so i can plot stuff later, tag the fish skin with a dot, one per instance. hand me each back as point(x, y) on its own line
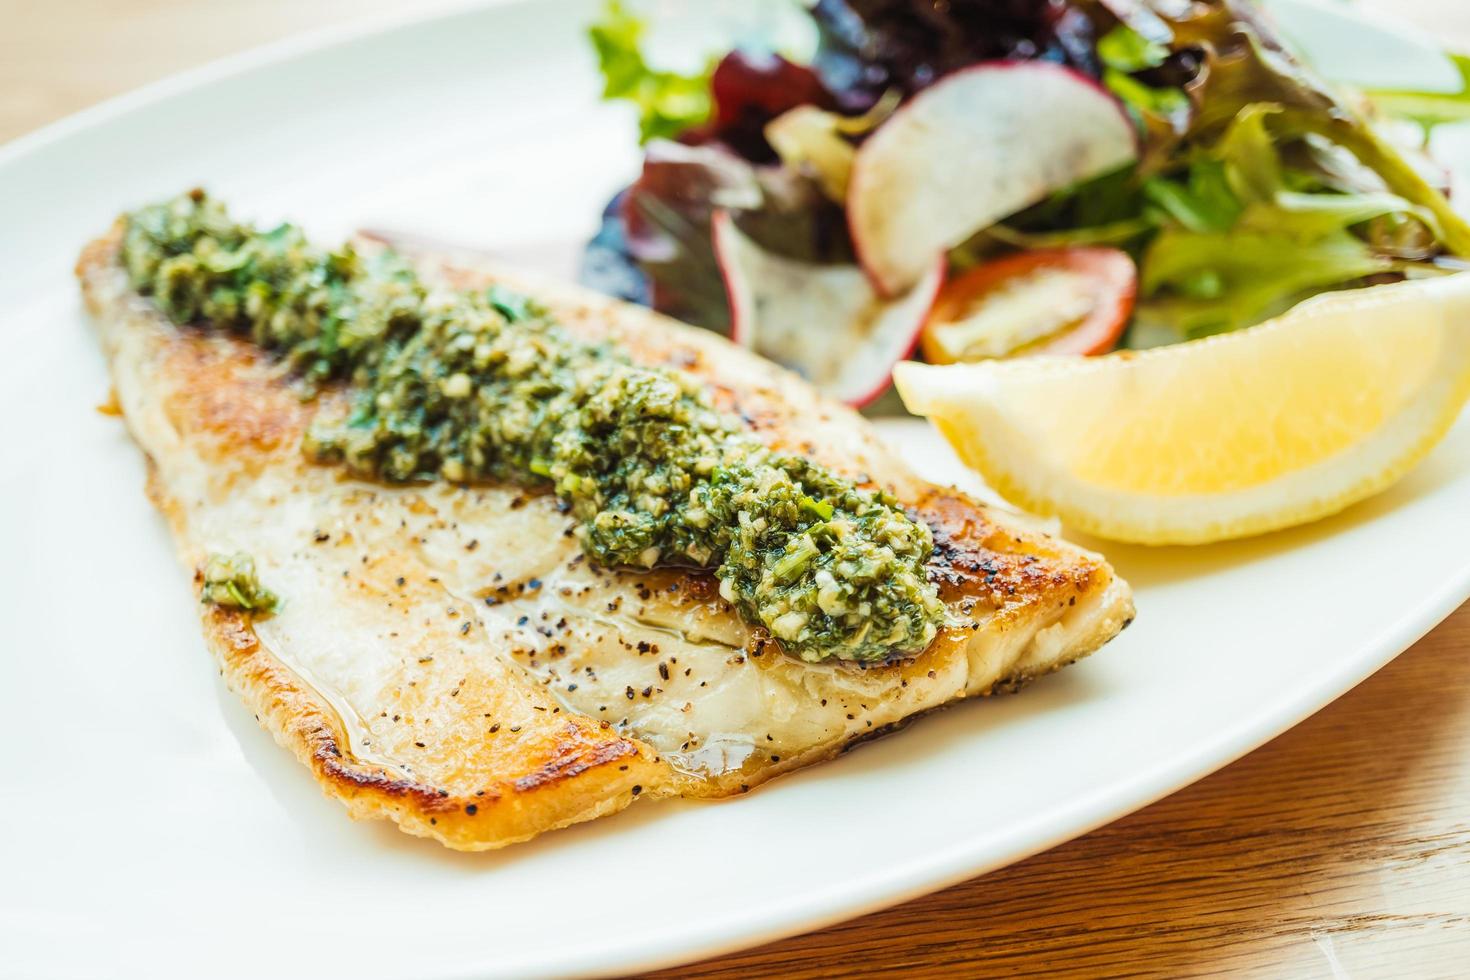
point(445, 657)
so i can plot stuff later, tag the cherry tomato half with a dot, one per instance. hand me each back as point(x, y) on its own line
point(1044, 301)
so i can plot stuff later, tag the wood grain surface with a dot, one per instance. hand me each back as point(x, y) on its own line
point(1339, 850)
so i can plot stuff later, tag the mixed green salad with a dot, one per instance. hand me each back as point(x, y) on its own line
point(1002, 177)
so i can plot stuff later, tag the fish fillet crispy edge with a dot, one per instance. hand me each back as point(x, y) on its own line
point(1036, 603)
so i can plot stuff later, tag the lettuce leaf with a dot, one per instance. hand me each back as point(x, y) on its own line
point(1247, 236)
point(1389, 165)
point(656, 242)
point(1428, 109)
point(1202, 202)
point(668, 103)
point(706, 149)
point(1205, 284)
point(1261, 189)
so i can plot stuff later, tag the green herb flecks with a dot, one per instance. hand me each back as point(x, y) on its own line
point(486, 386)
point(230, 581)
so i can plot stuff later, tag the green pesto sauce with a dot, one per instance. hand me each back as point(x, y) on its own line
point(477, 386)
point(230, 581)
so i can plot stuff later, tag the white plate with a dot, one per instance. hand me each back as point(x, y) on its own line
point(150, 828)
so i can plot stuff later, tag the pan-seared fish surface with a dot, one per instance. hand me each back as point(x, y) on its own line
point(446, 657)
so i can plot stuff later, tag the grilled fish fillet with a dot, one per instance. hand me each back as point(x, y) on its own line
point(444, 656)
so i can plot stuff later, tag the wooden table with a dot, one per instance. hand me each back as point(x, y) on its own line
point(1341, 849)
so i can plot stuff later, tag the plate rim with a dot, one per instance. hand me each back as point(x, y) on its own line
point(930, 875)
point(292, 46)
point(936, 868)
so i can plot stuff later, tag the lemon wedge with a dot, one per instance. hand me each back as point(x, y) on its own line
point(1224, 437)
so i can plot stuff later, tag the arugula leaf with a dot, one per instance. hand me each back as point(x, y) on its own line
point(668, 103)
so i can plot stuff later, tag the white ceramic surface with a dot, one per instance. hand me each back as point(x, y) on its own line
point(152, 829)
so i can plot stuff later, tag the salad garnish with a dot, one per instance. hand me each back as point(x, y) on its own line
point(1254, 185)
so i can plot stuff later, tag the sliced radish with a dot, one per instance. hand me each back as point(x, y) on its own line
point(825, 322)
point(973, 148)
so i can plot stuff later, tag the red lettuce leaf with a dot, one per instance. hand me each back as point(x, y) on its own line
point(867, 46)
point(656, 243)
point(749, 91)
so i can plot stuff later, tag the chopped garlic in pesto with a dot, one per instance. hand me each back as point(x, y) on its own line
point(230, 581)
point(485, 385)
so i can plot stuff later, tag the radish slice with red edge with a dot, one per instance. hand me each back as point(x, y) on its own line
point(973, 148)
point(825, 322)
